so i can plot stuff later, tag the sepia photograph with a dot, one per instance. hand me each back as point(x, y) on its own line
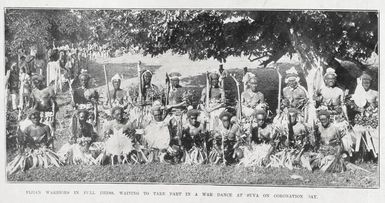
point(223, 97)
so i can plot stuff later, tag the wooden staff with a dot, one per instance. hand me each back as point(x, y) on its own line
point(207, 90)
point(279, 87)
point(239, 105)
point(107, 88)
point(140, 81)
point(168, 88)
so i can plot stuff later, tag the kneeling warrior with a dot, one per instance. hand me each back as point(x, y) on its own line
point(194, 139)
point(157, 137)
point(35, 151)
point(225, 139)
point(329, 145)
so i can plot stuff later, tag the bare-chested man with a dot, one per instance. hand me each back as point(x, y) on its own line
point(119, 97)
point(43, 100)
point(194, 132)
point(38, 134)
point(216, 100)
point(86, 98)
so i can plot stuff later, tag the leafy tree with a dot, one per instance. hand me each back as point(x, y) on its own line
point(25, 28)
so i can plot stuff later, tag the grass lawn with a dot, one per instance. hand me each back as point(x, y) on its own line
point(194, 78)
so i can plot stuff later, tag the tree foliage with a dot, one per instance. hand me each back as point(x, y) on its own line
point(263, 36)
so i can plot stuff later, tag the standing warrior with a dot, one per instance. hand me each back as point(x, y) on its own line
point(216, 100)
point(365, 98)
point(252, 99)
point(150, 92)
point(366, 118)
point(43, 100)
point(86, 98)
point(119, 97)
point(294, 95)
point(332, 98)
point(246, 78)
point(178, 101)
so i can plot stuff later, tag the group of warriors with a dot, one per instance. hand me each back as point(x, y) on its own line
point(153, 124)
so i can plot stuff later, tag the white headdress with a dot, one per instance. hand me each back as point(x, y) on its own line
point(117, 77)
point(330, 71)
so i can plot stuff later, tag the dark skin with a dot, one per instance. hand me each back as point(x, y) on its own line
point(292, 82)
point(330, 80)
point(366, 84)
point(118, 115)
point(116, 84)
point(175, 84)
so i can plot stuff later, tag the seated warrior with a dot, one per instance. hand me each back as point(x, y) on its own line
point(216, 100)
point(43, 99)
point(225, 137)
point(38, 134)
point(294, 95)
point(119, 97)
point(86, 98)
point(332, 98)
point(119, 123)
point(82, 132)
point(252, 99)
point(194, 132)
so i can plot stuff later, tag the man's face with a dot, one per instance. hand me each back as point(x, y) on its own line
point(147, 79)
point(116, 84)
point(118, 115)
point(193, 120)
point(292, 82)
point(83, 117)
point(37, 83)
point(253, 87)
point(330, 80)
point(83, 81)
point(157, 115)
point(214, 82)
point(35, 119)
point(292, 118)
point(260, 119)
point(366, 84)
point(175, 82)
point(324, 120)
point(226, 122)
